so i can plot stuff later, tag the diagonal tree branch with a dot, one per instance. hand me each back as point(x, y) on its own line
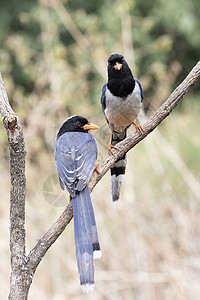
point(23, 267)
point(165, 109)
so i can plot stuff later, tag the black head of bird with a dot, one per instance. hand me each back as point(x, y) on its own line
point(120, 79)
point(118, 67)
point(76, 124)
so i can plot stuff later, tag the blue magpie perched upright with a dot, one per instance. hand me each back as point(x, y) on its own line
point(121, 101)
point(75, 154)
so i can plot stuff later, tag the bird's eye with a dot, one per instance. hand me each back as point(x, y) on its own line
point(78, 124)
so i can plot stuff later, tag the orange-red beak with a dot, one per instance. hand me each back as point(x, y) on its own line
point(90, 126)
point(117, 66)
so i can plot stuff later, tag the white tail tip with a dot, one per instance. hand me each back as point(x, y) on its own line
point(86, 288)
point(97, 254)
point(115, 203)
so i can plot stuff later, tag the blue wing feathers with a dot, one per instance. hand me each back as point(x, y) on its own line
point(103, 97)
point(75, 157)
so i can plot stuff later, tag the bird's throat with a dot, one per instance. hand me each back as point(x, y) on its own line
point(121, 87)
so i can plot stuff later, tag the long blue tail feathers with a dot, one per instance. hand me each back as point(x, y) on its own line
point(86, 238)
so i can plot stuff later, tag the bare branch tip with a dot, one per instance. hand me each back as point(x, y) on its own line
point(12, 122)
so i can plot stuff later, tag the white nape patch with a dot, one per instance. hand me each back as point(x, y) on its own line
point(70, 118)
point(86, 288)
point(97, 254)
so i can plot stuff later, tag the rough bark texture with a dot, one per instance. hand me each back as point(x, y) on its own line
point(23, 267)
point(20, 279)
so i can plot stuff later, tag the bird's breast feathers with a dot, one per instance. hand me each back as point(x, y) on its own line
point(123, 111)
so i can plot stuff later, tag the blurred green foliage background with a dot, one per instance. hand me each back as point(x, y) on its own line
point(53, 58)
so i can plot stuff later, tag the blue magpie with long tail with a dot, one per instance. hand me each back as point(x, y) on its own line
point(75, 154)
point(121, 101)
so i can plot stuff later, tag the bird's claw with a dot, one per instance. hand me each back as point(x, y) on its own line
point(96, 168)
point(138, 128)
point(110, 146)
